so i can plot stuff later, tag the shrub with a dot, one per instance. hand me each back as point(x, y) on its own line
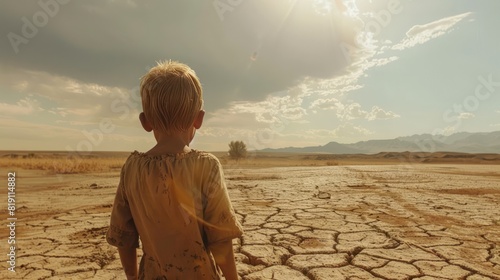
point(237, 150)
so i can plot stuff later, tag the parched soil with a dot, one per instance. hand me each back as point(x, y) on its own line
point(334, 222)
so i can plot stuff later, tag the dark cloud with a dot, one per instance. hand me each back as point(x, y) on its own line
point(258, 48)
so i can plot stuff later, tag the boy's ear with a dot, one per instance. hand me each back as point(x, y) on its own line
point(144, 122)
point(199, 119)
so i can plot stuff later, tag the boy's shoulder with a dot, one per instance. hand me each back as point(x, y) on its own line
point(207, 156)
point(192, 157)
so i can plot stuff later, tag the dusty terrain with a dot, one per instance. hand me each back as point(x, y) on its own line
point(400, 221)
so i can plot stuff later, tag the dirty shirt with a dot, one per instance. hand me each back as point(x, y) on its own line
point(179, 207)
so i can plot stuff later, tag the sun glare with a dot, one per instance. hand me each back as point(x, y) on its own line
point(325, 7)
point(351, 9)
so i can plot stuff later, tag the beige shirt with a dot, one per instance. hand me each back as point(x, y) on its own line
point(179, 207)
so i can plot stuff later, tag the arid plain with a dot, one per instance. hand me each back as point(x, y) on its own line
point(385, 216)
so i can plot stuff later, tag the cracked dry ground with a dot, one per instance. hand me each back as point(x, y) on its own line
point(337, 222)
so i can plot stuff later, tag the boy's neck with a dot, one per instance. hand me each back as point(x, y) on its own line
point(171, 143)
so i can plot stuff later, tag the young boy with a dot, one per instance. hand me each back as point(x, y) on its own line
point(173, 197)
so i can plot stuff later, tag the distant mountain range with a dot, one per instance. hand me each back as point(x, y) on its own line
point(463, 142)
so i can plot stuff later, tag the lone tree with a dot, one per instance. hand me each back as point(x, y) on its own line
point(237, 150)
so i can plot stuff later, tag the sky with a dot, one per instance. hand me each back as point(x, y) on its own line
point(275, 73)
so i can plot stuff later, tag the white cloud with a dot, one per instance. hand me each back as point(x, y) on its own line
point(344, 130)
point(273, 109)
point(223, 131)
point(327, 104)
point(466, 115)
point(21, 86)
point(75, 123)
point(80, 112)
point(295, 113)
point(352, 110)
point(69, 98)
point(378, 113)
point(420, 34)
point(227, 125)
point(65, 138)
point(382, 61)
point(349, 130)
point(57, 88)
point(25, 106)
point(449, 130)
point(342, 84)
point(314, 133)
point(28, 129)
point(324, 94)
point(276, 113)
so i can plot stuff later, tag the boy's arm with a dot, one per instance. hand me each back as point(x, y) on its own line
point(224, 257)
point(128, 257)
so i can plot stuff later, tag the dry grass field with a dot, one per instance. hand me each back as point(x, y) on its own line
point(62, 162)
point(75, 163)
point(383, 216)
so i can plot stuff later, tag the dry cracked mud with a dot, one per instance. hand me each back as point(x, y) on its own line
point(335, 222)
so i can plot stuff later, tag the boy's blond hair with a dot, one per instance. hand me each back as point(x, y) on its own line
point(171, 96)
